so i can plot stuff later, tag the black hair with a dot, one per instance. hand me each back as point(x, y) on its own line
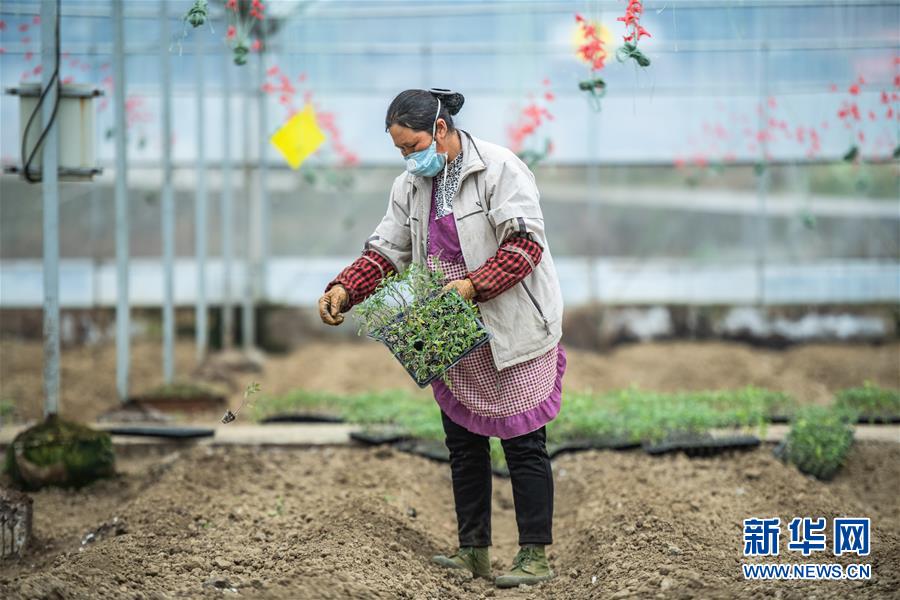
point(416, 108)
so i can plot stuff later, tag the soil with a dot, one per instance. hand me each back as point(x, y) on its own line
point(364, 523)
point(812, 373)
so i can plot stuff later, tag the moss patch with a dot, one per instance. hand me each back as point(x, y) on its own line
point(59, 452)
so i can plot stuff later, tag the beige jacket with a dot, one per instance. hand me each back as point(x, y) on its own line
point(497, 196)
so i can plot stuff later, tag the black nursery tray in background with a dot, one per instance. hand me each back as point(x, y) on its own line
point(704, 446)
point(301, 418)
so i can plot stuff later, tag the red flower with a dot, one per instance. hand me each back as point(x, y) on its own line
point(36, 19)
point(854, 89)
point(631, 19)
point(232, 4)
point(2, 25)
point(231, 33)
point(592, 49)
point(23, 27)
point(256, 46)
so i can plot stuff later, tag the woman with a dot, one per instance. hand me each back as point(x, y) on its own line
point(471, 209)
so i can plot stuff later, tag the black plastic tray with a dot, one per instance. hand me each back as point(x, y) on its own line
point(422, 383)
point(379, 436)
point(704, 446)
point(302, 418)
point(163, 432)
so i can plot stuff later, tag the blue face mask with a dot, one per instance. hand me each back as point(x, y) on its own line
point(427, 162)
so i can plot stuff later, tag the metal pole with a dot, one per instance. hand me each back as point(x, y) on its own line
point(227, 216)
point(200, 211)
point(121, 191)
point(762, 177)
point(248, 325)
point(50, 193)
point(168, 203)
point(264, 209)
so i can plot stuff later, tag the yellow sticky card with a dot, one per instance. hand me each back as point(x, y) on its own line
point(299, 137)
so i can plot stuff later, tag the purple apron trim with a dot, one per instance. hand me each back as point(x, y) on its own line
point(504, 427)
point(443, 239)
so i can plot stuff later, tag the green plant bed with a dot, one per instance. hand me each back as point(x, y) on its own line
point(427, 330)
point(819, 440)
point(872, 403)
point(181, 396)
point(59, 452)
point(638, 416)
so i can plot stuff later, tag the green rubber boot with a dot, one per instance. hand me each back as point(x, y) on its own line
point(529, 567)
point(472, 558)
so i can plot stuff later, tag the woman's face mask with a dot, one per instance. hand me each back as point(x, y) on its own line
point(427, 162)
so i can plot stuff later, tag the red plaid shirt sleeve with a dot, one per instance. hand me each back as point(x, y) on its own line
point(506, 268)
point(362, 277)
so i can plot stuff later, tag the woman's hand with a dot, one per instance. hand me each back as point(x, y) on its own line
point(332, 303)
point(464, 286)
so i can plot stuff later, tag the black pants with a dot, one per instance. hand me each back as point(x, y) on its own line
point(532, 484)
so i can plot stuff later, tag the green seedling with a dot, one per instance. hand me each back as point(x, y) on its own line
point(819, 440)
point(251, 389)
point(870, 401)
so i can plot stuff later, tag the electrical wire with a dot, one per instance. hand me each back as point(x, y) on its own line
point(54, 79)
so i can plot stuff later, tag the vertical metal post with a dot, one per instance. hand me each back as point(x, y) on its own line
point(123, 326)
point(227, 216)
point(50, 193)
point(264, 209)
point(762, 177)
point(248, 322)
point(200, 208)
point(168, 202)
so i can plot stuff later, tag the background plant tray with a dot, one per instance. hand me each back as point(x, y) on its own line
point(860, 420)
point(600, 443)
point(164, 432)
point(188, 404)
point(302, 418)
point(703, 446)
point(377, 436)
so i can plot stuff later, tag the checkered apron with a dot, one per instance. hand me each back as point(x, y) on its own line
point(476, 383)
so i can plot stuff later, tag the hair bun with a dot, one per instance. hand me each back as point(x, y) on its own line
point(452, 100)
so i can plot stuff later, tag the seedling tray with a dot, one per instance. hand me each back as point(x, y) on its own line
point(376, 436)
point(301, 418)
point(163, 432)
point(381, 335)
point(702, 446)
